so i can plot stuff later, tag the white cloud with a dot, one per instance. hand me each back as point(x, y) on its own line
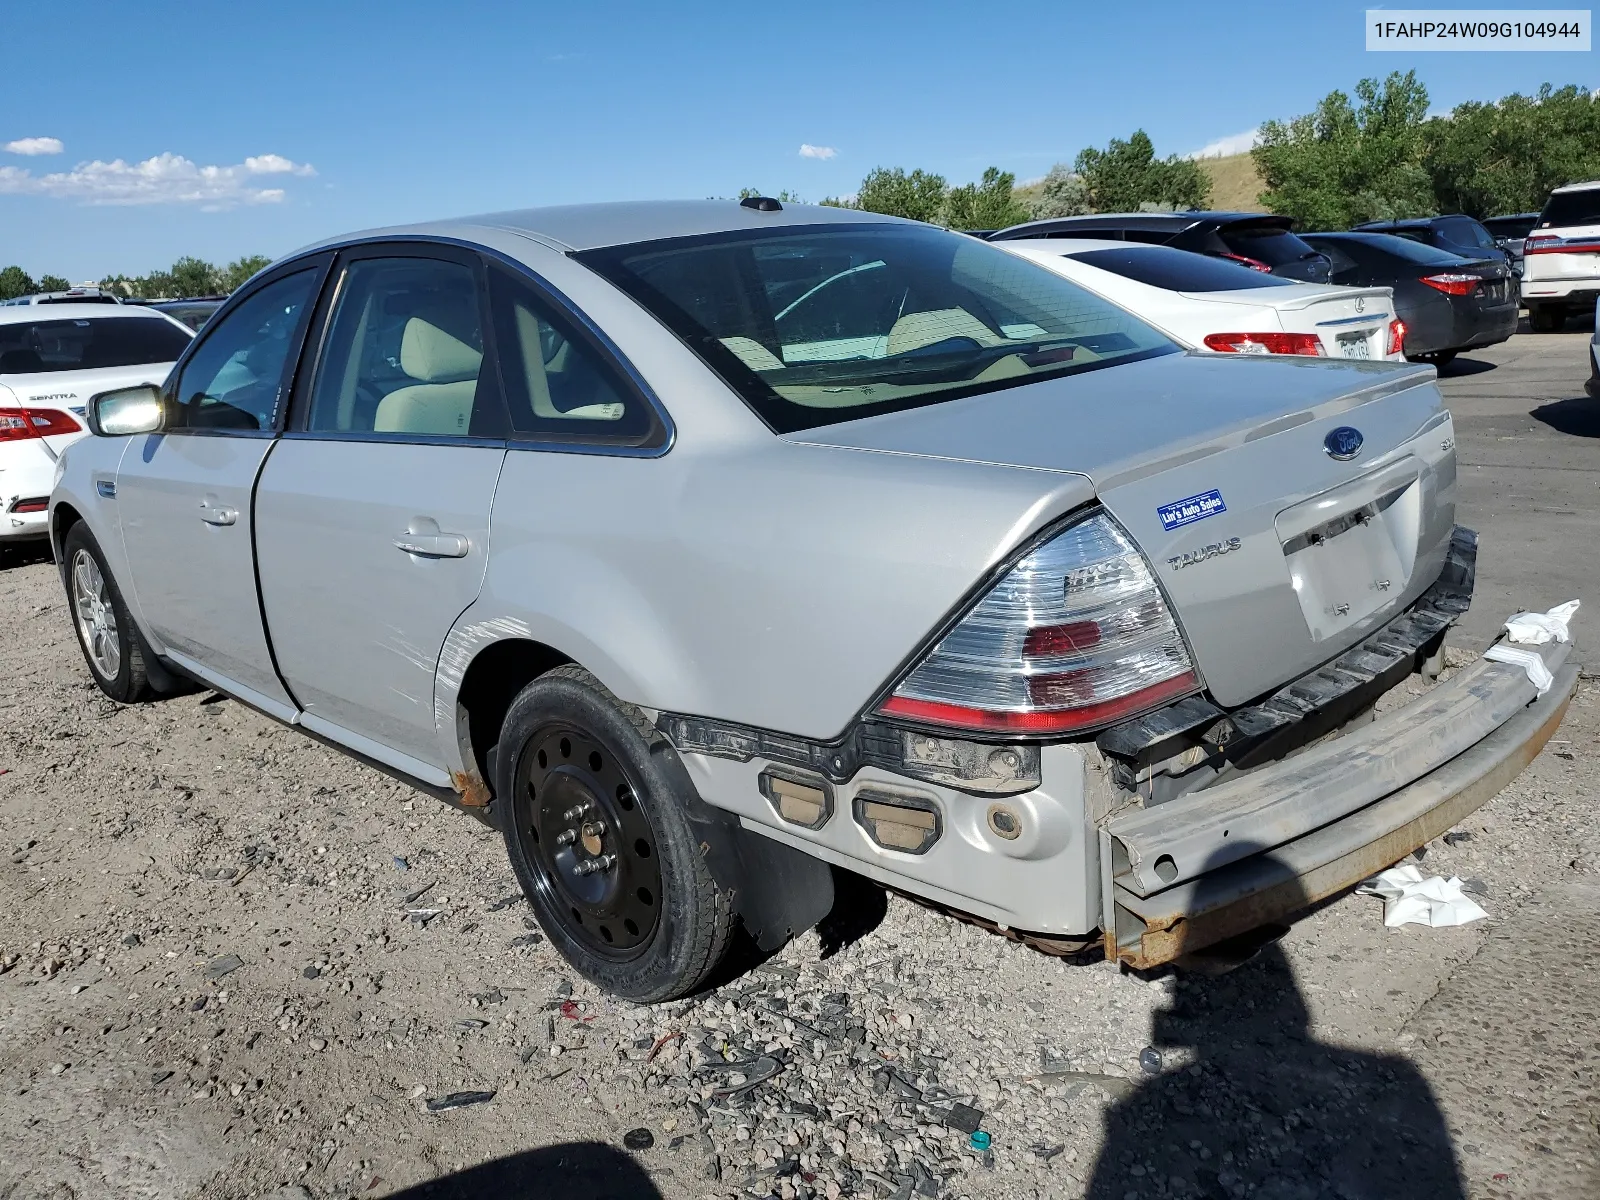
point(34, 146)
point(807, 150)
point(1234, 143)
point(165, 179)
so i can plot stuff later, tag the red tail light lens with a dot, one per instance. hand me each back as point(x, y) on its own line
point(1255, 264)
point(1453, 285)
point(17, 424)
point(1397, 337)
point(1265, 343)
point(1074, 636)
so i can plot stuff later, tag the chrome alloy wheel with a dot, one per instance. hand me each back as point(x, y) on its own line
point(589, 841)
point(97, 619)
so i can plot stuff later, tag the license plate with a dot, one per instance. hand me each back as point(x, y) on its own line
point(1355, 345)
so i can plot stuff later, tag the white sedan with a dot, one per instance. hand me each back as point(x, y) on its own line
point(53, 357)
point(1212, 304)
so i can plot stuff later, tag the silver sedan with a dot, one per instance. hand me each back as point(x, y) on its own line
point(703, 548)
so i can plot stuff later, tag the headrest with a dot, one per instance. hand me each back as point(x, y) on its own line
point(430, 355)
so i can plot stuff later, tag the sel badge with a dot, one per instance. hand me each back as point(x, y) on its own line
point(1195, 508)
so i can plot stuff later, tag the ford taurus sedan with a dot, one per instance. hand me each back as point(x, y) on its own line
point(704, 547)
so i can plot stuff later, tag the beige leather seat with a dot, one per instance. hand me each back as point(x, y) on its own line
point(440, 402)
point(539, 372)
point(916, 330)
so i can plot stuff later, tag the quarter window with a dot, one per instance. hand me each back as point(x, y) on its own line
point(235, 380)
point(557, 386)
point(404, 354)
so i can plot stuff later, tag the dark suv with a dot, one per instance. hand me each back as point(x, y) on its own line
point(1453, 233)
point(1267, 243)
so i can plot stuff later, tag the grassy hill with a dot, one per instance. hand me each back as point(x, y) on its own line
point(1234, 183)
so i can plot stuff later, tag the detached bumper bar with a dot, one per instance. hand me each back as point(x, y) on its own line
point(1180, 876)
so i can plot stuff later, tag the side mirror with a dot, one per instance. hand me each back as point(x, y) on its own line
point(126, 411)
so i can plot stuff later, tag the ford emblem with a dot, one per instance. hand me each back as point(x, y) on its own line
point(1342, 443)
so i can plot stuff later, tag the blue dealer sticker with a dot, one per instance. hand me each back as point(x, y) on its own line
point(1195, 508)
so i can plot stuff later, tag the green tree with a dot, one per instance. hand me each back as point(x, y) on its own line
point(987, 204)
point(1346, 163)
point(195, 277)
point(1127, 176)
point(919, 196)
point(53, 283)
point(1504, 157)
point(1064, 194)
point(236, 272)
point(14, 282)
point(783, 197)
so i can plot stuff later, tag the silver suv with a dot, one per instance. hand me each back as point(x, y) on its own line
point(704, 547)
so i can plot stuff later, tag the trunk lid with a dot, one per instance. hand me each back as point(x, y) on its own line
point(1275, 554)
point(1351, 322)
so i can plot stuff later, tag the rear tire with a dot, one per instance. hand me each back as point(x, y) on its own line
point(1546, 318)
point(113, 647)
point(596, 829)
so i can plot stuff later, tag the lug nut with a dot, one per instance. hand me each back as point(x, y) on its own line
point(591, 866)
point(576, 811)
point(566, 837)
point(594, 829)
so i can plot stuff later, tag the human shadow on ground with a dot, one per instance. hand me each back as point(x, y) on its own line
point(570, 1171)
point(1578, 417)
point(1250, 1102)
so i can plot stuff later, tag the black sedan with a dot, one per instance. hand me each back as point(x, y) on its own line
point(1448, 303)
point(1455, 233)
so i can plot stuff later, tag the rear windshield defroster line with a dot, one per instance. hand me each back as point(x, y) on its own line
point(813, 325)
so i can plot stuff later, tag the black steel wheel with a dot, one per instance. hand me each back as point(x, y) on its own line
point(589, 840)
point(594, 806)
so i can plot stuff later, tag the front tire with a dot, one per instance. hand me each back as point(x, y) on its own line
point(595, 824)
point(112, 645)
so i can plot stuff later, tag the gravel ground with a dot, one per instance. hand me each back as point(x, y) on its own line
point(236, 964)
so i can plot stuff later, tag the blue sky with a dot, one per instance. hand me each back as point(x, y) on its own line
point(289, 121)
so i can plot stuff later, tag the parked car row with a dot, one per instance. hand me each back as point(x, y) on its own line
point(702, 547)
point(1457, 283)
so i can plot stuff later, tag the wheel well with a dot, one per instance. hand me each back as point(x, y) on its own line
point(492, 682)
point(61, 521)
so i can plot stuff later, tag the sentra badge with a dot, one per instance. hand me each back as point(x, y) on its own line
point(1199, 555)
point(1195, 508)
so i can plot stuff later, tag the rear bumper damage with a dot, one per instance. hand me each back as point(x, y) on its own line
point(1179, 877)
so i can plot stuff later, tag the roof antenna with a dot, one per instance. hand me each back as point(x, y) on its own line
point(761, 204)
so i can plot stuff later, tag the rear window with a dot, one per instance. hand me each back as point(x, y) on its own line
point(1398, 247)
point(1271, 244)
point(813, 325)
point(1179, 270)
point(1511, 227)
point(85, 343)
point(1571, 208)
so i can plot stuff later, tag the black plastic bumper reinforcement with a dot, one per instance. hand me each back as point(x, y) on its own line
point(1315, 702)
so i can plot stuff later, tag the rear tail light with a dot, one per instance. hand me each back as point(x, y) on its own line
point(1397, 337)
point(1076, 635)
point(1453, 285)
point(1255, 264)
point(17, 424)
point(35, 504)
point(1265, 343)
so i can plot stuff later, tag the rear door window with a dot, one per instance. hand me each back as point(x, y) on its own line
point(86, 343)
point(1179, 270)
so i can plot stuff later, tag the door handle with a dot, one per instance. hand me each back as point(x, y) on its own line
point(215, 515)
point(434, 545)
